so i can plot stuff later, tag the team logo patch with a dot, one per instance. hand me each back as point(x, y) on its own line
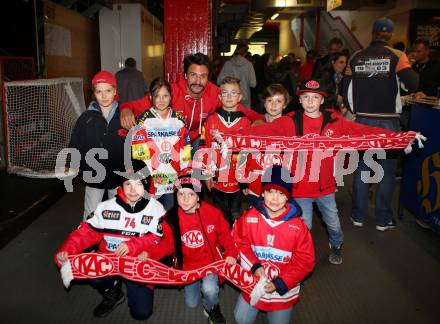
point(193, 239)
point(329, 132)
point(165, 146)
point(251, 220)
point(210, 228)
point(146, 220)
point(111, 214)
point(312, 84)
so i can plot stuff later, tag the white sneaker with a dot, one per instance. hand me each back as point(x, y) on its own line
point(391, 224)
point(356, 223)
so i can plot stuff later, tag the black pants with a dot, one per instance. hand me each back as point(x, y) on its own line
point(140, 297)
point(229, 203)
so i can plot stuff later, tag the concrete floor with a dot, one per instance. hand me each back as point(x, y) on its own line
point(389, 277)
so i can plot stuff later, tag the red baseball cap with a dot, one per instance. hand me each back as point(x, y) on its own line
point(104, 77)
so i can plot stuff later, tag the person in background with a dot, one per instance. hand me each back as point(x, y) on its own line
point(400, 46)
point(427, 68)
point(334, 45)
point(284, 76)
point(306, 70)
point(239, 67)
point(131, 82)
point(331, 80)
point(372, 93)
point(264, 74)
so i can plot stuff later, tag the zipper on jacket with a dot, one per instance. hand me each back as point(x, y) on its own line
point(204, 234)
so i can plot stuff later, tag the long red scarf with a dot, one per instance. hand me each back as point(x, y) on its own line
point(97, 265)
point(310, 142)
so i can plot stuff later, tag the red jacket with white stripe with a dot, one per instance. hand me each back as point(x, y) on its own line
point(283, 246)
point(205, 237)
point(115, 221)
point(195, 111)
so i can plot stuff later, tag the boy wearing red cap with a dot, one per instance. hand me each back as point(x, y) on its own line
point(275, 244)
point(96, 132)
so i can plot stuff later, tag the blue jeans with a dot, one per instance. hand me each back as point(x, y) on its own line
point(246, 314)
point(140, 297)
point(208, 287)
point(385, 188)
point(329, 211)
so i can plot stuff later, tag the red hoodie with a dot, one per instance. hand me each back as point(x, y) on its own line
point(195, 111)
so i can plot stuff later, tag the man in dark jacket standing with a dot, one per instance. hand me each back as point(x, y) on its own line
point(427, 68)
point(131, 82)
point(372, 88)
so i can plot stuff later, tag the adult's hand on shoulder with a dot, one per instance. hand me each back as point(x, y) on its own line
point(127, 119)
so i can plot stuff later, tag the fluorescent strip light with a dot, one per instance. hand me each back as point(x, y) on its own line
point(275, 16)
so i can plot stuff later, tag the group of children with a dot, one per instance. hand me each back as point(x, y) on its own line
point(271, 238)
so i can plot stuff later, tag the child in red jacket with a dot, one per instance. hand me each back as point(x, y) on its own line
point(201, 236)
point(275, 244)
point(276, 99)
point(225, 188)
point(122, 225)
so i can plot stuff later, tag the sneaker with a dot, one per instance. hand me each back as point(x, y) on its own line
point(356, 223)
point(215, 315)
point(335, 256)
point(111, 299)
point(391, 224)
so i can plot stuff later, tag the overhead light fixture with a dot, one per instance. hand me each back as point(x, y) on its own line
point(275, 16)
point(259, 28)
